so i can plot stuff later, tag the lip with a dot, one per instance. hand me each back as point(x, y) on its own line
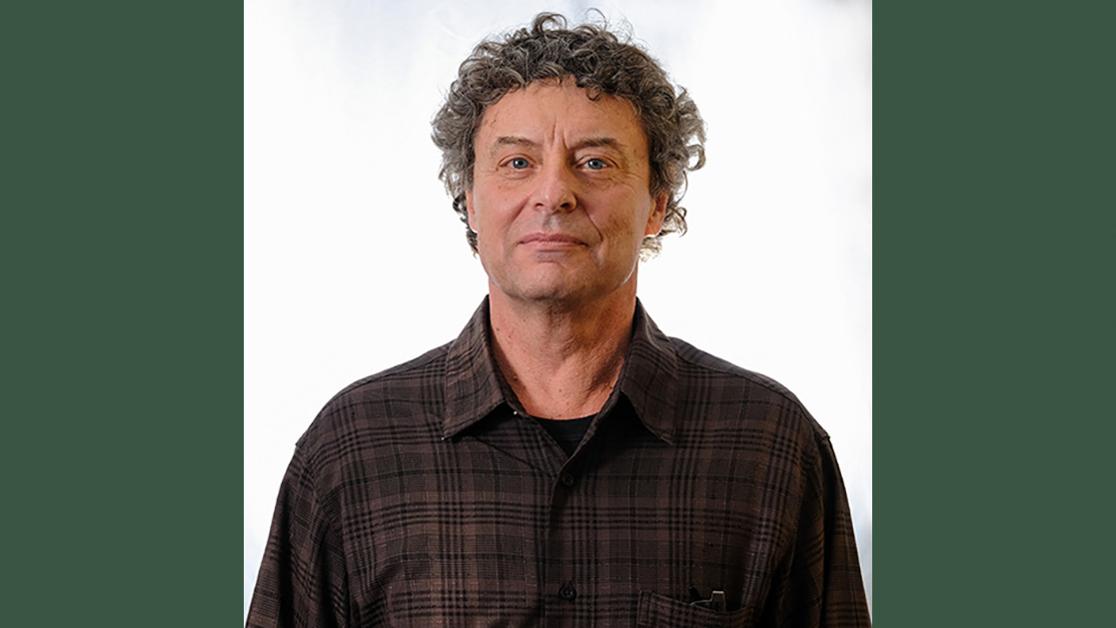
point(551, 239)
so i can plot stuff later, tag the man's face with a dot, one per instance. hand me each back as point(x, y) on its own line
point(561, 195)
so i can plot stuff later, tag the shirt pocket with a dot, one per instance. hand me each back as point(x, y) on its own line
point(660, 610)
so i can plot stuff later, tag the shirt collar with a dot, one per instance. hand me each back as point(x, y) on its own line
point(649, 378)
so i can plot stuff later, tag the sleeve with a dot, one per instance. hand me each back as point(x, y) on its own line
point(302, 579)
point(822, 586)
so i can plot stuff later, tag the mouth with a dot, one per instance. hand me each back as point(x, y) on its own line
point(551, 240)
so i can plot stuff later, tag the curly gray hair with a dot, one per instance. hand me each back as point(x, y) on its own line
point(599, 61)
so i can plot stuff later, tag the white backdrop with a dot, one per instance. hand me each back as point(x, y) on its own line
point(354, 261)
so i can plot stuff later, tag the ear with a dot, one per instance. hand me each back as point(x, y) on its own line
point(470, 212)
point(658, 213)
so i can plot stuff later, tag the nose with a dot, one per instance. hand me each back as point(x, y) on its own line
point(556, 190)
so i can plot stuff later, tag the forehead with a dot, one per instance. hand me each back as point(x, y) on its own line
point(547, 111)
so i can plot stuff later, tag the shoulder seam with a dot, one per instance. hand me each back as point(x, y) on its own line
point(739, 372)
point(757, 379)
point(414, 363)
point(328, 409)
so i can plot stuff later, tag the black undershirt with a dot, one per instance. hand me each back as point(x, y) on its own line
point(567, 432)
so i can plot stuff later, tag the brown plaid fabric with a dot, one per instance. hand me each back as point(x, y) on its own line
point(423, 496)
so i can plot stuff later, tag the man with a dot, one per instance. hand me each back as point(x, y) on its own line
point(563, 462)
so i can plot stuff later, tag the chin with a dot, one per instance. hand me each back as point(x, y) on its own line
point(537, 290)
point(553, 294)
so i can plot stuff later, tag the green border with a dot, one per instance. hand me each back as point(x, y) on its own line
point(993, 311)
point(122, 244)
point(121, 248)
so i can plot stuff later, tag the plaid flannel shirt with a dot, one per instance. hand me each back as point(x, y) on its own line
point(424, 496)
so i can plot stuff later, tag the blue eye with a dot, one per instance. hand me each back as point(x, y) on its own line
point(519, 163)
point(596, 164)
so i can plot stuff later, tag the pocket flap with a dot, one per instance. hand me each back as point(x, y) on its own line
point(660, 610)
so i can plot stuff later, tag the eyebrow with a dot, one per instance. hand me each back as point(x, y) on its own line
point(589, 142)
point(600, 142)
point(505, 140)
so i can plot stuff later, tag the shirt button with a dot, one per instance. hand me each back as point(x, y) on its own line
point(567, 592)
point(567, 479)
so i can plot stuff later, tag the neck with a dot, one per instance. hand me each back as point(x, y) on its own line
point(561, 360)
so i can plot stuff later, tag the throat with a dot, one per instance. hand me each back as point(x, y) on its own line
point(561, 365)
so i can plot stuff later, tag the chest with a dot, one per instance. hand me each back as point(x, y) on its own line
point(502, 528)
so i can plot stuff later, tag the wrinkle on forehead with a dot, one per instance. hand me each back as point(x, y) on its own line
point(573, 125)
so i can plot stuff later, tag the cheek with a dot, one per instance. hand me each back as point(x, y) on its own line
point(620, 236)
point(492, 224)
point(492, 204)
point(626, 227)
